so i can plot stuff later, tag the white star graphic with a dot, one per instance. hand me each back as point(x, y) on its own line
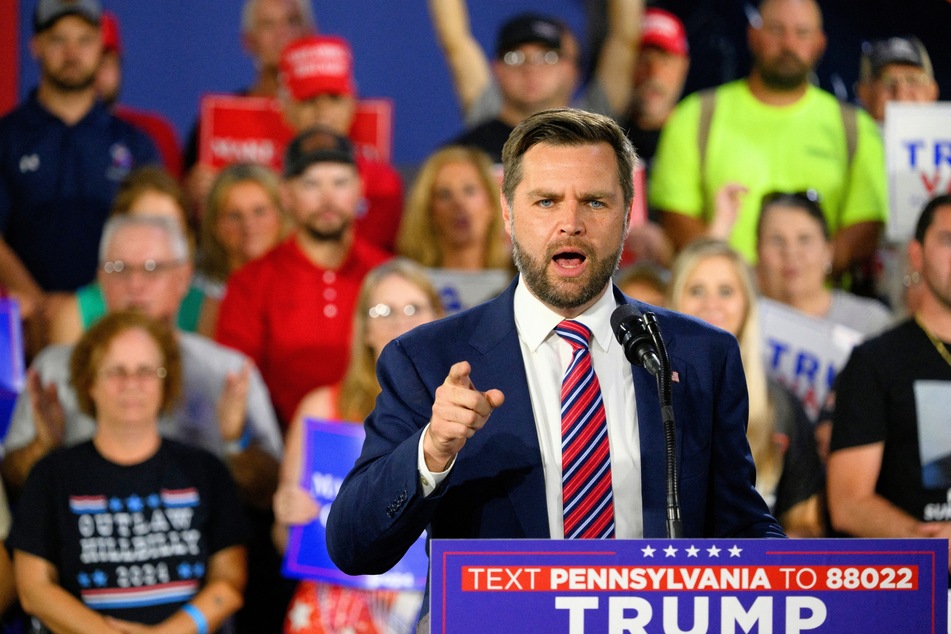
point(670, 551)
point(692, 551)
point(713, 551)
point(299, 615)
point(735, 552)
point(648, 551)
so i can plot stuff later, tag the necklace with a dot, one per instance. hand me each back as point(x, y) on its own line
point(937, 343)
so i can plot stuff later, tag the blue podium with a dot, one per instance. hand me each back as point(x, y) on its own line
point(689, 585)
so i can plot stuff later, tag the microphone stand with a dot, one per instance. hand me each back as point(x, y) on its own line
point(674, 526)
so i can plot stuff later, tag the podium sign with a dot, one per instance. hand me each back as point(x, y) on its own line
point(684, 585)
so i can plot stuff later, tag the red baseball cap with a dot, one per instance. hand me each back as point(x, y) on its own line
point(111, 40)
point(317, 65)
point(664, 30)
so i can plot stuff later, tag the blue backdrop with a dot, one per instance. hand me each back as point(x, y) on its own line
point(175, 50)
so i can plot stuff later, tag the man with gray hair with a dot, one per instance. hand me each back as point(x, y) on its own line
point(267, 27)
point(144, 264)
point(225, 408)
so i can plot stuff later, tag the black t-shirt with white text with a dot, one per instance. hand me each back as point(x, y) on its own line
point(129, 541)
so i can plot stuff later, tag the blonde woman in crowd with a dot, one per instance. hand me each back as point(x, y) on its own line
point(452, 224)
point(453, 218)
point(243, 219)
point(711, 281)
point(394, 298)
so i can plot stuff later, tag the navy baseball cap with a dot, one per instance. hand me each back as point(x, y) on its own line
point(529, 28)
point(49, 11)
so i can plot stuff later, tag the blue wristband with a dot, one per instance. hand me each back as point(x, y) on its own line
point(195, 614)
point(242, 443)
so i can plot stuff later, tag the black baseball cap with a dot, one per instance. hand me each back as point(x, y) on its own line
point(529, 28)
point(878, 54)
point(49, 11)
point(316, 145)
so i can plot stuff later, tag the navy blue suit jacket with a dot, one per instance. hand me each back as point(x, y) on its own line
point(496, 487)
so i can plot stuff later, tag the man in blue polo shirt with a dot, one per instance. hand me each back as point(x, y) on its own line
point(62, 156)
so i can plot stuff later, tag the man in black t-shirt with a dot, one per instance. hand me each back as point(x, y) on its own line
point(888, 468)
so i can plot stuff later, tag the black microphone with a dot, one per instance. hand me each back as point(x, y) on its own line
point(630, 328)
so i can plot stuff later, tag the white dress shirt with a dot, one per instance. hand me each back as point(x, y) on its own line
point(547, 356)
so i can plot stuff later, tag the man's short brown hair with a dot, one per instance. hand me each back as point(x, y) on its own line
point(567, 127)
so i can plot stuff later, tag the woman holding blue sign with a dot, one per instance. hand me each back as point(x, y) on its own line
point(394, 298)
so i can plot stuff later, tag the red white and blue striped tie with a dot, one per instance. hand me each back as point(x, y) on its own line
point(585, 454)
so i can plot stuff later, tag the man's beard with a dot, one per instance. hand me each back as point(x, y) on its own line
point(110, 98)
point(581, 290)
point(70, 84)
point(941, 295)
point(327, 234)
point(788, 76)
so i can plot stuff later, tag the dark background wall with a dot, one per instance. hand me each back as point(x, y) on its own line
point(176, 50)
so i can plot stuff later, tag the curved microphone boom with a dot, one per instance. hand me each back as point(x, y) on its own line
point(630, 328)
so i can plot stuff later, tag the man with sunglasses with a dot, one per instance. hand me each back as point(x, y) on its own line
point(535, 68)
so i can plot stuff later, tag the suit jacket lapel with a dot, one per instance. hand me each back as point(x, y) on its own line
point(501, 364)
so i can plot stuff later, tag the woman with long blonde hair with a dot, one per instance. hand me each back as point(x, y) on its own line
point(243, 219)
point(711, 281)
point(394, 298)
point(453, 217)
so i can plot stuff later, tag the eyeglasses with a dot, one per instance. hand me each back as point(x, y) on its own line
point(149, 268)
point(538, 58)
point(385, 311)
point(121, 374)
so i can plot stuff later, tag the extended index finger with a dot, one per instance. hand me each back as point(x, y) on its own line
point(459, 374)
